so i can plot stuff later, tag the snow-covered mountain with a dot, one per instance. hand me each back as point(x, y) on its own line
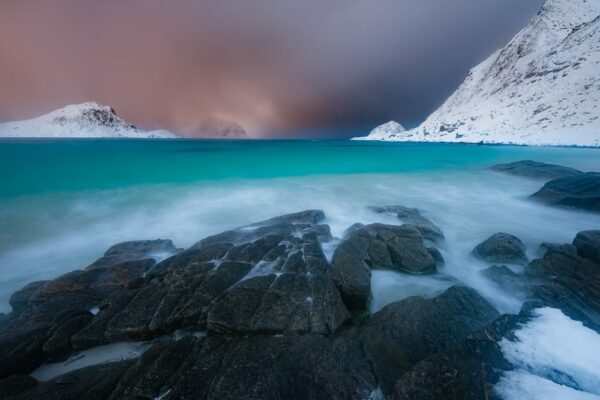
point(388, 130)
point(542, 88)
point(86, 120)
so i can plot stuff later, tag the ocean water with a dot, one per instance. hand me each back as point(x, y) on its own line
point(64, 202)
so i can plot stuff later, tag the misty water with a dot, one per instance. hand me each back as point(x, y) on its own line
point(64, 202)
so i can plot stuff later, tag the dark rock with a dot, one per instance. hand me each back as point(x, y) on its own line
point(283, 225)
point(91, 383)
point(405, 332)
point(16, 384)
point(21, 347)
point(94, 333)
point(580, 191)
point(265, 367)
point(378, 246)
point(466, 370)
point(270, 304)
point(20, 299)
point(413, 216)
point(204, 287)
point(294, 294)
point(134, 250)
point(59, 344)
point(588, 245)
point(535, 170)
point(565, 280)
point(502, 248)
point(191, 258)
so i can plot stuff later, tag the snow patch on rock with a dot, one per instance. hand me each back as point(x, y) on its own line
point(555, 358)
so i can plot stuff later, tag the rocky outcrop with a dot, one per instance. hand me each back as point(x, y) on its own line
point(569, 282)
point(580, 191)
point(266, 278)
point(258, 312)
point(378, 246)
point(535, 170)
point(501, 248)
point(350, 364)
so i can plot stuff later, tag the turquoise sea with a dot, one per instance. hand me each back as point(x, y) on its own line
point(64, 202)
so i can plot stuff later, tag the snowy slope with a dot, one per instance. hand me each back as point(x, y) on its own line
point(86, 120)
point(542, 88)
point(388, 130)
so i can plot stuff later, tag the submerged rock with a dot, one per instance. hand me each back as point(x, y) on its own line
point(502, 248)
point(378, 246)
point(535, 170)
point(580, 191)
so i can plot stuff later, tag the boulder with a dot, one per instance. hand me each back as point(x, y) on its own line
point(378, 246)
point(413, 216)
point(405, 332)
point(579, 191)
point(563, 279)
point(501, 248)
point(535, 170)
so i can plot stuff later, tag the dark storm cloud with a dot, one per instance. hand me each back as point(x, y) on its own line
point(275, 66)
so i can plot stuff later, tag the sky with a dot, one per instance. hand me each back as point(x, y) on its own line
point(280, 68)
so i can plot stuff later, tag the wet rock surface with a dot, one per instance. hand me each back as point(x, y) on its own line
point(467, 369)
point(535, 170)
point(501, 248)
point(403, 333)
point(278, 321)
point(378, 246)
point(579, 191)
